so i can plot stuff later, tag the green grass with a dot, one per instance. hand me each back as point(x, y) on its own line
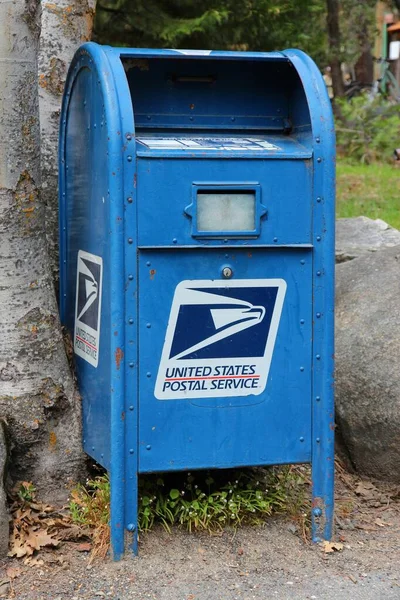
point(369, 190)
point(203, 500)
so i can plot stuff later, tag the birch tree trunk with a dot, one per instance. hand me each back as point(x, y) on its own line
point(37, 395)
point(66, 24)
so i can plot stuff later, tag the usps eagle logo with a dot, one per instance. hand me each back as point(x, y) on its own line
point(88, 306)
point(220, 338)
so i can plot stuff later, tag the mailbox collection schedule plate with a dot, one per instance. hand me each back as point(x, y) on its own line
point(197, 265)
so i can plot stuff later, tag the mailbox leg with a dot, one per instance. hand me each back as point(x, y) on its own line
point(117, 530)
point(323, 461)
point(131, 510)
point(124, 492)
point(124, 509)
point(322, 496)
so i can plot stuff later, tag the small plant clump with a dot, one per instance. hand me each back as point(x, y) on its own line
point(90, 507)
point(198, 501)
point(26, 491)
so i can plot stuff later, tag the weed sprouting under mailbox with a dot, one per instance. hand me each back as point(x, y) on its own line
point(200, 500)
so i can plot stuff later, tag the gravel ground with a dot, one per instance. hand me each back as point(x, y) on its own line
point(251, 564)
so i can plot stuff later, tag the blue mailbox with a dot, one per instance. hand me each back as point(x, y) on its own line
point(197, 264)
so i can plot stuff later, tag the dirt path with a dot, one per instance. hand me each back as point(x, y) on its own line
point(253, 564)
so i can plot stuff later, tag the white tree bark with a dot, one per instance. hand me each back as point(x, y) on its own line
point(66, 24)
point(37, 395)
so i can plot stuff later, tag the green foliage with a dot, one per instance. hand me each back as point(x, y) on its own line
point(26, 491)
point(90, 508)
point(370, 190)
point(214, 24)
point(90, 505)
point(367, 130)
point(230, 25)
point(199, 501)
point(357, 22)
point(203, 503)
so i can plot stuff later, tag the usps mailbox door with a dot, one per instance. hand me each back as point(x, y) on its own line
point(225, 376)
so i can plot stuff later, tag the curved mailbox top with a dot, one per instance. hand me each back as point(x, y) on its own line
point(165, 91)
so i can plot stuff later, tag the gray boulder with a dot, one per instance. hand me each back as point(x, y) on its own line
point(359, 236)
point(368, 361)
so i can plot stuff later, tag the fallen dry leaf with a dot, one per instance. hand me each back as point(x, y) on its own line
point(27, 540)
point(21, 514)
point(366, 489)
point(40, 538)
point(13, 572)
point(329, 547)
point(36, 525)
point(84, 547)
point(31, 561)
point(18, 548)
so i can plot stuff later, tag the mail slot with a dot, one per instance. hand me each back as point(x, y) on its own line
point(197, 264)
